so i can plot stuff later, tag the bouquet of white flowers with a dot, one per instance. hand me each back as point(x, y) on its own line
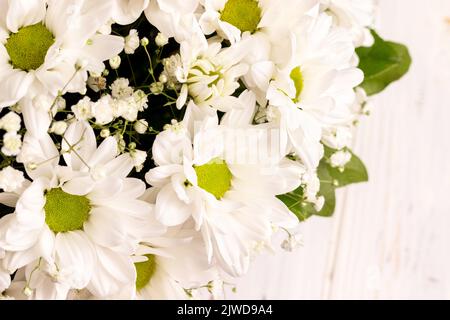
point(151, 148)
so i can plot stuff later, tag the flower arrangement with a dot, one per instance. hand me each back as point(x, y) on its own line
point(152, 148)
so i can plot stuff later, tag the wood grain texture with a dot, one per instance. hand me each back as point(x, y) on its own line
point(390, 238)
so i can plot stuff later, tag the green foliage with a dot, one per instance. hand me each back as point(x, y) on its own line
point(330, 179)
point(382, 64)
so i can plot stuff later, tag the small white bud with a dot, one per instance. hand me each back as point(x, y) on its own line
point(105, 133)
point(161, 40)
point(27, 291)
point(115, 62)
point(141, 126)
point(340, 158)
point(144, 41)
point(157, 88)
point(163, 78)
point(132, 42)
point(58, 128)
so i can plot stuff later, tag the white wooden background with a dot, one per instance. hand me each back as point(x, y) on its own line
point(390, 238)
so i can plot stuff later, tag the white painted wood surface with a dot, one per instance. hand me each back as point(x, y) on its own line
point(390, 238)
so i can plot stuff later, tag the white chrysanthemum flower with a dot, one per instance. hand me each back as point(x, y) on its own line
point(357, 16)
point(11, 180)
point(315, 92)
point(265, 25)
point(169, 267)
point(232, 18)
point(11, 122)
point(81, 220)
point(210, 74)
point(47, 46)
point(225, 188)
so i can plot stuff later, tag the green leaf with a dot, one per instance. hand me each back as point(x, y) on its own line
point(303, 210)
point(327, 190)
point(330, 179)
point(354, 172)
point(382, 64)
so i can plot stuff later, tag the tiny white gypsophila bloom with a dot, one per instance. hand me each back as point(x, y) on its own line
point(58, 127)
point(132, 42)
point(103, 110)
point(141, 99)
point(157, 88)
point(12, 144)
point(115, 62)
point(139, 158)
point(340, 158)
point(83, 109)
point(11, 122)
point(126, 108)
point(292, 242)
point(96, 83)
point(60, 103)
point(105, 133)
point(319, 203)
point(11, 180)
point(161, 40)
point(145, 41)
point(141, 126)
point(120, 88)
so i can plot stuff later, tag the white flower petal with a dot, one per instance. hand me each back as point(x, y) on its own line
point(105, 227)
point(23, 13)
point(170, 210)
point(75, 252)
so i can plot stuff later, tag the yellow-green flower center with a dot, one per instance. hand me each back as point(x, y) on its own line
point(65, 212)
point(214, 177)
point(28, 47)
point(145, 271)
point(297, 78)
point(243, 14)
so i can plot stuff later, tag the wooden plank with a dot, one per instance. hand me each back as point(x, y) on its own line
point(390, 238)
point(394, 241)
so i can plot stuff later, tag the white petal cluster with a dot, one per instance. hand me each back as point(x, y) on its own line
point(114, 194)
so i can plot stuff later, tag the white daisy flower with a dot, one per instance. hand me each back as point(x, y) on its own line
point(209, 73)
point(266, 27)
point(83, 218)
point(314, 93)
point(233, 203)
point(47, 46)
point(231, 18)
